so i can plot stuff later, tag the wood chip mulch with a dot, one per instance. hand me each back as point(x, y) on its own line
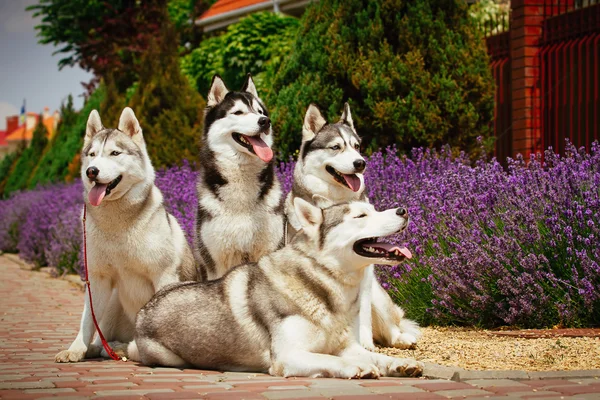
point(477, 349)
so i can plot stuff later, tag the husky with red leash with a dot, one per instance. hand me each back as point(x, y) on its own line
point(134, 246)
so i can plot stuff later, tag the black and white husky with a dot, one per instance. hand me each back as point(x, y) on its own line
point(289, 314)
point(240, 211)
point(330, 165)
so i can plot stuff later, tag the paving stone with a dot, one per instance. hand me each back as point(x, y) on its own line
point(494, 383)
point(540, 393)
point(290, 387)
point(293, 394)
point(27, 385)
point(574, 389)
point(133, 392)
point(564, 374)
point(463, 393)
point(396, 389)
point(50, 391)
point(473, 375)
point(434, 387)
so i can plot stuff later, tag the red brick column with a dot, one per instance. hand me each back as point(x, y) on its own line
point(525, 35)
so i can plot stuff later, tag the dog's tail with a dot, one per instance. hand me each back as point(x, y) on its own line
point(133, 352)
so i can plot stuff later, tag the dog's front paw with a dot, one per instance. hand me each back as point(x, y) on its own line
point(405, 367)
point(359, 371)
point(365, 338)
point(66, 356)
point(404, 341)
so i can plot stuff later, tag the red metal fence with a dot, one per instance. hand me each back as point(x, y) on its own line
point(569, 68)
point(556, 50)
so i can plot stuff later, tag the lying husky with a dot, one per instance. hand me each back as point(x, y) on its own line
point(290, 313)
point(330, 165)
point(134, 247)
point(240, 213)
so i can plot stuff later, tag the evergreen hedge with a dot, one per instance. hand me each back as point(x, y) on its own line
point(62, 157)
point(415, 73)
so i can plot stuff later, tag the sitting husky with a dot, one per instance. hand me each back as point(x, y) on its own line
point(290, 313)
point(240, 210)
point(134, 247)
point(330, 165)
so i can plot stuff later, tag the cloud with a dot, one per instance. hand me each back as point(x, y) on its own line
point(14, 18)
point(6, 110)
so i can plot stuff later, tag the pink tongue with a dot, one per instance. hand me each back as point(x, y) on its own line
point(97, 194)
point(262, 150)
point(392, 248)
point(353, 181)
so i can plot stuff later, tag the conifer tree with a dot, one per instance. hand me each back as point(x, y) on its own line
point(414, 72)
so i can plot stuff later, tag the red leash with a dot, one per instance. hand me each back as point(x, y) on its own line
point(107, 347)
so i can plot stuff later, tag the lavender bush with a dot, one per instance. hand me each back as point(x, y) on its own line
point(491, 246)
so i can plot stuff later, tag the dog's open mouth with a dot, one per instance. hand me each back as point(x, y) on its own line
point(255, 145)
point(372, 248)
point(351, 181)
point(100, 190)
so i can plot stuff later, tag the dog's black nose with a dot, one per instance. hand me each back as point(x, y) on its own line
point(360, 165)
point(264, 122)
point(92, 172)
point(401, 211)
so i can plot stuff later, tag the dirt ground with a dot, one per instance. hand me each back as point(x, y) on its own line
point(482, 350)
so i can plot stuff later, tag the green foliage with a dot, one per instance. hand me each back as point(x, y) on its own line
point(102, 36)
point(168, 108)
point(254, 45)
point(6, 166)
point(415, 73)
point(28, 160)
point(67, 142)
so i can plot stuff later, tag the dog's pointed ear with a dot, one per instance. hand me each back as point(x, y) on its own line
point(347, 116)
point(94, 125)
point(308, 215)
point(128, 123)
point(250, 87)
point(313, 122)
point(321, 201)
point(217, 91)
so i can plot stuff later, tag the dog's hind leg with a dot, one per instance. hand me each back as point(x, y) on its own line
point(152, 352)
point(390, 328)
point(363, 325)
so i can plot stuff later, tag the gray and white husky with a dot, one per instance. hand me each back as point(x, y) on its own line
point(289, 314)
point(330, 165)
point(134, 246)
point(240, 209)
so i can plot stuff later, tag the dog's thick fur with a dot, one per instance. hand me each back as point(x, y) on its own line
point(240, 210)
point(134, 247)
point(330, 165)
point(289, 314)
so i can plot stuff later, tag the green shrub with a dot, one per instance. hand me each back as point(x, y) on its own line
point(168, 108)
point(66, 143)
point(253, 45)
point(415, 73)
point(28, 160)
point(6, 166)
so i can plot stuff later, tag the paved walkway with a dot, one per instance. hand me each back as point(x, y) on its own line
point(39, 316)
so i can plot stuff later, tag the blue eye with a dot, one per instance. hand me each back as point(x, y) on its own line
point(115, 153)
point(336, 147)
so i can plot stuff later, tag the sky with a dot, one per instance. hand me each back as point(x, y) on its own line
point(28, 70)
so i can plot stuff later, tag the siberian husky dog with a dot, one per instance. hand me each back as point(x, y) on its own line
point(291, 312)
point(134, 246)
point(240, 209)
point(330, 165)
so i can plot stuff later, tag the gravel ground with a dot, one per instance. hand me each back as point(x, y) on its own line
point(480, 350)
